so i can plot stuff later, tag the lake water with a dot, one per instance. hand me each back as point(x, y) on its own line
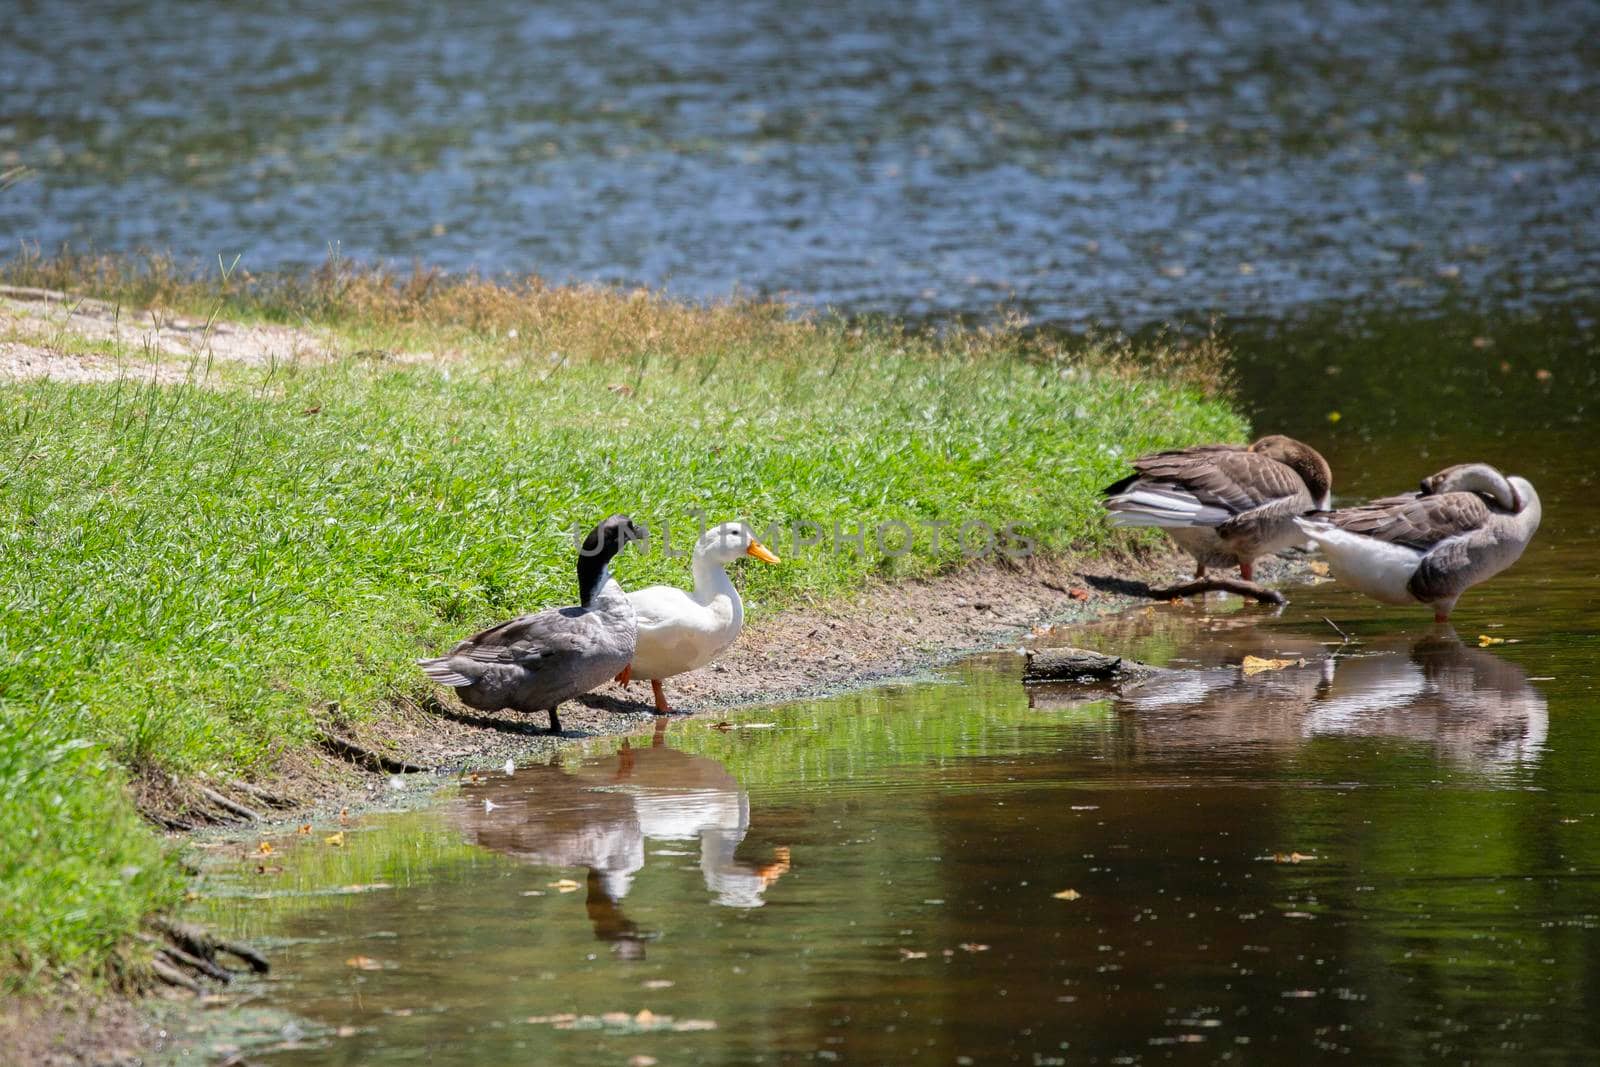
point(1388, 854)
point(1101, 160)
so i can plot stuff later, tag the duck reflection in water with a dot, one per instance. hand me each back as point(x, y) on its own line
point(1470, 706)
point(599, 815)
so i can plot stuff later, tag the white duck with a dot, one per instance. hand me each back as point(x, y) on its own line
point(1469, 523)
point(679, 631)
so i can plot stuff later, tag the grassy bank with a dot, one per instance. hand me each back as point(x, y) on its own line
point(190, 573)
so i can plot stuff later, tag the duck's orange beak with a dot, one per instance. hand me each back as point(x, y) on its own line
point(761, 552)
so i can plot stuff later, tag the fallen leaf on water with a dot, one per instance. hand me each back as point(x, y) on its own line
point(1067, 894)
point(1543, 375)
point(305, 828)
point(1317, 567)
point(973, 946)
point(364, 963)
point(1257, 664)
point(659, 983)
point(566, 885)
point(347, 1031)
point(1291, 857)
point(1334, 416)
point(336, 839)
point(265, 848)
point(1484, 640)
point(909, 954)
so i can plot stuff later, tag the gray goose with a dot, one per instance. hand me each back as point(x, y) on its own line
point(535, 662)
point(1225, 504)
point(1466, 524)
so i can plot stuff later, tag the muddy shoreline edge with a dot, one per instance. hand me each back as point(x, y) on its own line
point(888, 631)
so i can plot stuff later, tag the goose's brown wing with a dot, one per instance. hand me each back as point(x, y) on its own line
point(1419, 522)
point(1223, 476)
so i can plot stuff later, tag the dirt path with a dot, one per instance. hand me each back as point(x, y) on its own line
point(44, 334)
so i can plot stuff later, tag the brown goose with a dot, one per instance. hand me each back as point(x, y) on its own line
point(1467, 524)
point(1225, 504)
point(534, 662)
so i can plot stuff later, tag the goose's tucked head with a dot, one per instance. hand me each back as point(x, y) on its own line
point(1477, 478)
point(1304, 460)
point(729, 542)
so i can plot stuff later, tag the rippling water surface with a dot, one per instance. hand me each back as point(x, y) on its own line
point(1097, 160)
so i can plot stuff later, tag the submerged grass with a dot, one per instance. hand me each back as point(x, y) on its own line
point(190, 573)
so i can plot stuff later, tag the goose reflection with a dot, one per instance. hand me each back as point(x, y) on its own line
point(600, 814)
point(1468, 705)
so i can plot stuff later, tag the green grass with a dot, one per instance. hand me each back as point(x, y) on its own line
point(188, 572)
point(78, 868)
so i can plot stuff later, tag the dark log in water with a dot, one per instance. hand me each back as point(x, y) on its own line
point(1238, 586)
point(1081, 665)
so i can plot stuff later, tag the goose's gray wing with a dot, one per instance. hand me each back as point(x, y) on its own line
point(1418, 522)
point(530, 638)
point(538, 660)
point(1266, 517)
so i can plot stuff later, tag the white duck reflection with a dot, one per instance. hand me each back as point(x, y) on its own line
point(600, 814)
point(1470, 706)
